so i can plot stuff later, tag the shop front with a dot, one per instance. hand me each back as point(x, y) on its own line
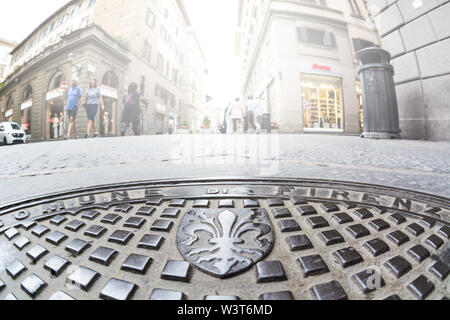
point(9, 109)
point(108, 116)
point(25, 110)
point(55, 101)
point(160, 118)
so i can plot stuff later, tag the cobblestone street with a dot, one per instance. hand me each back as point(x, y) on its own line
point(36, 169)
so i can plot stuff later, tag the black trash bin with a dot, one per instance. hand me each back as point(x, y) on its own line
point(266, 123)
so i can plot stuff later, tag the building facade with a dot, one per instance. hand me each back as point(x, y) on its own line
point(115, 42)
point(298, 55)
point(417, 34)
point(5, 48)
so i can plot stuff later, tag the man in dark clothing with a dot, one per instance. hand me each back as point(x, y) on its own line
point(132, 110)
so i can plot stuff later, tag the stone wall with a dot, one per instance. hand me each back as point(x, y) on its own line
point(417, 34)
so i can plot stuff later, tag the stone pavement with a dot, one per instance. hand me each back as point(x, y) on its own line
point(40, 168)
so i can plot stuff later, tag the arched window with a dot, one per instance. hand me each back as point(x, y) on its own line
point(9, 103)
point(110, 80)
point(27, 93)
point(56, 80)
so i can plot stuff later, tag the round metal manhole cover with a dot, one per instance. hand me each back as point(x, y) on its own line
point(227, 239)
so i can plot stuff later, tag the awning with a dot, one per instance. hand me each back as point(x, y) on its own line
point(9, 113)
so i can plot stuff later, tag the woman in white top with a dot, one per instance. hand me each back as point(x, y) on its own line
point(237, 113)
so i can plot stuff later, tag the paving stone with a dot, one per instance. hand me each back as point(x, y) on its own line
point(377, 247)
point(137, 263)
point(398, 237)
point(318, 222)
point(299, 243)
point(74, 225)
point(289, 225)
point(145, 211)
point(162, 225)
point(36, 253)
point(421, 287)
point(56, 238)
point(313, 265)
point(269, 271)
point(399, 266)
point(21, 242)
point(358, 231)
point(117, 289)
point(166, 295)
point(348, 257)
point(56, 265)
point(150, 241)
point(369, 280)
point(77, 246)
point(280, 296)
point(440, 269)
point(306, 210)
point(171, 213)
point(419, 253)
point(434, 241)
point(363, 213)
point(177, 203)
point(379, 225)
point(342, 218)
point(111, 219)
point(329, 291)
point(134, 222)
point(176, 270)
point(83, 277)
point(15, 269)
point(103, 255)
point(90, 215)
point(40, 230)
point(415, 229)
point(95, 231)
point(33, 285)
point(58, 220)
point(121, 237)
point(331, 237)
point(281, 213)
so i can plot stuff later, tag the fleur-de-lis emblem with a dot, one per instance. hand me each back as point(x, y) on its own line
point(224, 243)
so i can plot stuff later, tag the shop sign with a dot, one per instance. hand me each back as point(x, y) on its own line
point(160, 108)
point(26, 104)
point(55, 93)
point(321, 67)
point(109, 92)
point(9, 113)
point(64, 85)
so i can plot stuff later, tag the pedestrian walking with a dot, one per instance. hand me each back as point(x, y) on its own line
point(132, 110)
point(56, 126)
point(236, 113)
point(252, 105)
point(62, 125)
point(74, 95)
point(93, 101)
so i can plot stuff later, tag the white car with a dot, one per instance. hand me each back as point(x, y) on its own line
point(11, 133)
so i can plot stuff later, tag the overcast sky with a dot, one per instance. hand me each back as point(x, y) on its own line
point(213, 20)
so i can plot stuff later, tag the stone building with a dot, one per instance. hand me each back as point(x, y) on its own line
point(115, 42)
point(5, 48)
point(417, 34)
point(298, 55)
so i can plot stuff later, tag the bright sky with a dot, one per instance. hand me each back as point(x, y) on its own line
point(213, 20)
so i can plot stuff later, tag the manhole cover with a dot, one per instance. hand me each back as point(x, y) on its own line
point(227, 239)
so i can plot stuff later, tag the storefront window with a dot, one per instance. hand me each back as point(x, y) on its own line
point(25, 109)
point(55, 107)
point(322, 103)
point(9, 109)
point(110, 84)
point(360, 105)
